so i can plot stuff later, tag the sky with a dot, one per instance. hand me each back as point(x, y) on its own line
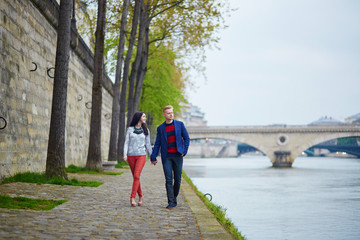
point(283, 62)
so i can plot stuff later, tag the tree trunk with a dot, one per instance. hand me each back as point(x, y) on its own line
point(94, 152)
point(55, 161)
point(136, 64)
point(121, 137)
point(116, 88)
point(143, 66)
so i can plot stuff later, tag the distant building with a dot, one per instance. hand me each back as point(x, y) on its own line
point(355, 119)
point(192, 116)
point(326, 121)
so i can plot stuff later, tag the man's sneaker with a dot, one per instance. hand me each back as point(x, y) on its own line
point(171, 205)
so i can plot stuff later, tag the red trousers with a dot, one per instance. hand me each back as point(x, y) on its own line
point(136, 164)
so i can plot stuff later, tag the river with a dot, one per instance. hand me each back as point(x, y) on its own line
point(318, 198)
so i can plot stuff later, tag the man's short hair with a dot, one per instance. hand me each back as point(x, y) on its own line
point(167, 107)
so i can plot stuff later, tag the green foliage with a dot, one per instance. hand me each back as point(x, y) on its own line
point(122, 164)
point(40, 178)
point(218, 211)
point(185, 25)
point(197, 21)
point(189, 26)
point(179, 30)
point(28, 203)
point(162, 85)
point(86, 16)
point(75, 169)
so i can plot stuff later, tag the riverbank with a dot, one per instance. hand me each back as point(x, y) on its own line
point(209, 219)
point(318, 196)
point(105, 213)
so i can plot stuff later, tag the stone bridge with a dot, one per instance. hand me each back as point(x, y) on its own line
point(281, 144)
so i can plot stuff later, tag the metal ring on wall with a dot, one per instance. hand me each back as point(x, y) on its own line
point(33, 70)
point(48, 70)
point(5, 123)
point(107, 116)
point(88, 105)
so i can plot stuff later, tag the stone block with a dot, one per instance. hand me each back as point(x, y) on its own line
point(109, 165)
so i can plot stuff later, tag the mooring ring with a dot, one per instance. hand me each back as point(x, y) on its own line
point(208, 194)
point(48, 70)
point(4, 122)
point(33, 70)
point(88, 105)
point(107, 116)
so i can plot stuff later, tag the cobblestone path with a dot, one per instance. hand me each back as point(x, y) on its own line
point(101, 213)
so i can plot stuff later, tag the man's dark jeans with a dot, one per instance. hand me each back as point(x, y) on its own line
point(173, 165)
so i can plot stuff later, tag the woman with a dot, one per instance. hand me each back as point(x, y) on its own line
point(137, 140)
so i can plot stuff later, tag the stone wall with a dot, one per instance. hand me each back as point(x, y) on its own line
point(28, 39)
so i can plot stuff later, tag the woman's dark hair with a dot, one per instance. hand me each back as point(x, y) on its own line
point(135, 119)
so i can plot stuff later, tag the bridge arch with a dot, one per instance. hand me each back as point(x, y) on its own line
point(249, 139)
point(212, 147)
point(218, 147)
point(319, 140)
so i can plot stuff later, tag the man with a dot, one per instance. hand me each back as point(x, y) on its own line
point(172, 139)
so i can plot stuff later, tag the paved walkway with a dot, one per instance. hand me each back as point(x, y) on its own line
point(105, 213)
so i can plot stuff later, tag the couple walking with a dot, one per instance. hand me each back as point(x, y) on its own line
point(172, 140)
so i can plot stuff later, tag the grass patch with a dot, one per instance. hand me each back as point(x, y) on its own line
point(40, 178)
point(122, 164)
point(74, 169)
point(218, 211)
point(28, 203)
point(113, 173)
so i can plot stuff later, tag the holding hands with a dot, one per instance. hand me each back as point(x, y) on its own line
point(154, 162)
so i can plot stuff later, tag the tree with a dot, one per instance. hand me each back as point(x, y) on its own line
point(116, 87)
point(121, 137)
point(55, 161)
point(142, 69)
point(163, 84)
point(183, 24)
point(86, 21)
point(144, 21)
point(94, 152)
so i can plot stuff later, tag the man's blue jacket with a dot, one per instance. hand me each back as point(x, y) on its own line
point(182, 140)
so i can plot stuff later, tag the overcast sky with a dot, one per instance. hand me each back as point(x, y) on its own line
point(283, 62)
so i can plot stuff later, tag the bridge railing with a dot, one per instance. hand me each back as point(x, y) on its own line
point(276, 129)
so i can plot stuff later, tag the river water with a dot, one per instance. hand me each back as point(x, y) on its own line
point(318, 198)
